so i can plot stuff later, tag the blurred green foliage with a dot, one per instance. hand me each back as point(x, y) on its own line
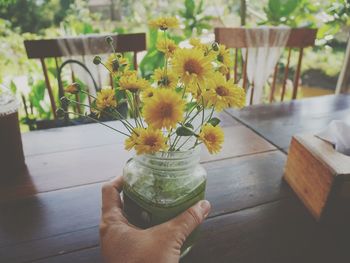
point(328, 16)
point(195, 22)
point(194, 18)
point(32, 15)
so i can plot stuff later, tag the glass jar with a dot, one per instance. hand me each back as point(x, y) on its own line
point(160, 186)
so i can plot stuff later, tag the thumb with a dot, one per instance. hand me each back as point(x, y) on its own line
point(183, 225)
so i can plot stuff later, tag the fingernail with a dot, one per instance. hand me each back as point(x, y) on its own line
point(205, 207)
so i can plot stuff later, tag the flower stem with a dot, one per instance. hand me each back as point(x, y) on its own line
point(132, 108)
point(87, 116)
point(137, 109)
point(126, 124)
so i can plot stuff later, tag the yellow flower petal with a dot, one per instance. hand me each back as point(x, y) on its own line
point(212, 137)
point(106, 99)
point(167, 46)
point(132, 83)
point(165, 80)
point(192, 66)
point(150, 141)
point(224, 94)
point(163, 23)
point(132, 140)
point(164, 110)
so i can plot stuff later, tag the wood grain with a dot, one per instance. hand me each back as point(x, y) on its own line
point(281, 231)
point(97, 158)
point(278, 122)
point(91, 255)
point(235, 37)
point(84, 136)
point(44, 225)
point(309, 178)
point(312, 168)
point(84, 45)
point(255, 216)
point(337, 162)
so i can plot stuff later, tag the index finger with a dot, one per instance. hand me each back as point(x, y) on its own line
point(110, 194)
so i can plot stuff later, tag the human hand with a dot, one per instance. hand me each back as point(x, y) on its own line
point(124, 242)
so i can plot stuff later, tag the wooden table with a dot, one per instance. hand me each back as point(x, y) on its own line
point(52, 213)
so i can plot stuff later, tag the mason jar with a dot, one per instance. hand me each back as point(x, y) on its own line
point(160, 186)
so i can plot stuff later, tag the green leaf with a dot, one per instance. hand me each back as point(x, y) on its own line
point(153, 37)
point(13, 86)
point(184, 131)
point(190, 7)
point(189, 125)
point(190, 105)
point(274, 6)
point(214, 121)
point(200, 7)
point(288, 6)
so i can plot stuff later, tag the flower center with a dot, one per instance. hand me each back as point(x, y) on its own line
point(193, 67)
point(210, 137)
point(171, 48)
point(220, 58)
point(166, 110)
point(221, 91)
point(133, 88)
point(151, 141)
point(164, 81)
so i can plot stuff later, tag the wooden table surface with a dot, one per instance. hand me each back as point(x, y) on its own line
point(52, 213)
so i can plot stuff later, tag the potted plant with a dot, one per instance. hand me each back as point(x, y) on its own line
point(172, 115)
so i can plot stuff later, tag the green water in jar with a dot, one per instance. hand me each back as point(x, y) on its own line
point(144, 213)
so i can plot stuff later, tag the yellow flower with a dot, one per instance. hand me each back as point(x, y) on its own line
point(106, 99)
point(164, 110)
point(223, 56)
point(116, 63)
point(167, 46)
point(168, 80)
point(132, 140)
point(192, 66)
point(223, 94)
point(147, 93)
point(223, 70)
point(150, 141)
point(163, 23)
point(206, 49)
point(196, 43)
point(212, 137)
point(132, 83)
point(129, 73)
point(73, 88)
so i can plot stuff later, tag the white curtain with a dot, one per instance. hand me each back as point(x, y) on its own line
point(265, 45)
point(99, 73)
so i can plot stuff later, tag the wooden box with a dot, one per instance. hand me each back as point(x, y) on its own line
point(320, 176)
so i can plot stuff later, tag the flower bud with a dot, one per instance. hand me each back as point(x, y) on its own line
point(73, 88)
point(60, 113)
point(109, 40)
point(115, 65)
point(97, 60)
point(64, 102)
point(215, 46)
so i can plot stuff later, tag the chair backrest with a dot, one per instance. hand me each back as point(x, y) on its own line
point(236, 38)
point(83, 46)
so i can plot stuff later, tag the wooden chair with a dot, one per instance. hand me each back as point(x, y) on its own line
point(83, 46)
point(236, 39)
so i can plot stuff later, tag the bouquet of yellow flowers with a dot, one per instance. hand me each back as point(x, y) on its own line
point(192, 84)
